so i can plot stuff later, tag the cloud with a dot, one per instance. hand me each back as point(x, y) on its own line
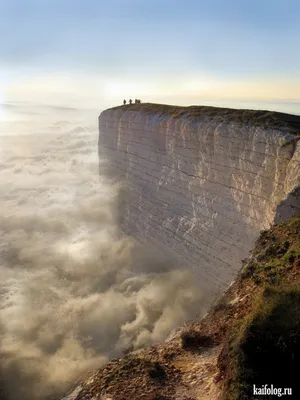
point(74, 291)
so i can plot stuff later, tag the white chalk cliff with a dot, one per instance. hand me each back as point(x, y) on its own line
point(203, 181)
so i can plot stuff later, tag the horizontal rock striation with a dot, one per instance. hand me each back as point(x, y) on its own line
point(203, 181)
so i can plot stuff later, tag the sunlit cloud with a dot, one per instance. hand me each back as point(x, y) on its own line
point(74, 290)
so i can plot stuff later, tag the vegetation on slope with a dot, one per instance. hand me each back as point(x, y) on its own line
point(264, 346)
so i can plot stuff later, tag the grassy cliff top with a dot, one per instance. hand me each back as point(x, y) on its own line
point(257, 117)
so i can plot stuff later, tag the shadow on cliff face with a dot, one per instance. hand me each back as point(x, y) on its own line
point(74, 291)
point(288, 207)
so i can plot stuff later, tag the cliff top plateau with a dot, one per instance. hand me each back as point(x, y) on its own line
point(256, 117)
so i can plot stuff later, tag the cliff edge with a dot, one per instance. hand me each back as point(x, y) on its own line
point(203, 181)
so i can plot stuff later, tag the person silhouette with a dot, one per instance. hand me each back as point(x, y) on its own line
point(124, 102)
point(130, 101)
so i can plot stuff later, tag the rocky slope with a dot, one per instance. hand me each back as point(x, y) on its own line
point(203, 181)
point(251, 336)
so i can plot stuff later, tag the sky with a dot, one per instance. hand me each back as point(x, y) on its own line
point(94, 53)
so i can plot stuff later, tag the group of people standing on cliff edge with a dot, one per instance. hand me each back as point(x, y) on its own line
point(136, 101)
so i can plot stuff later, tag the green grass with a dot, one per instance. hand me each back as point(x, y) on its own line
point(266, 345)
point(275, 253)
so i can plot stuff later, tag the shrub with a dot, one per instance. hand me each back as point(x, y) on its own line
point(156, 371)
point(193, 340)
point(289, 257)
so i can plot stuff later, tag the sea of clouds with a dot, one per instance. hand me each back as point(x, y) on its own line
point(74, 291)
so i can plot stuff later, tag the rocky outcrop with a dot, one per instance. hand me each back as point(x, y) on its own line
point(203, 181)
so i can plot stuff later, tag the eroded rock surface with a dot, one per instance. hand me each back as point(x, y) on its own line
point(203, 182)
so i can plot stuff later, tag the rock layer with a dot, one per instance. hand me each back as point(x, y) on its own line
point(203, 181)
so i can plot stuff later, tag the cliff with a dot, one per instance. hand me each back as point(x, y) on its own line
point(203, 181)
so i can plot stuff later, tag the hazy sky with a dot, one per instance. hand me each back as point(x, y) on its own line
point(97, 52)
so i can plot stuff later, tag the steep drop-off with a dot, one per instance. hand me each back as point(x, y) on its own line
point(250, 337)
point(203, 181)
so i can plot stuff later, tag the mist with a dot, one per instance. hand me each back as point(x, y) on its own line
point(74, 290)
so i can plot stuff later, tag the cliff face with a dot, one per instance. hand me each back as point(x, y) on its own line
point(203, 182)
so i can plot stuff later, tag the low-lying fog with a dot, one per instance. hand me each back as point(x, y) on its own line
point(73, 292)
